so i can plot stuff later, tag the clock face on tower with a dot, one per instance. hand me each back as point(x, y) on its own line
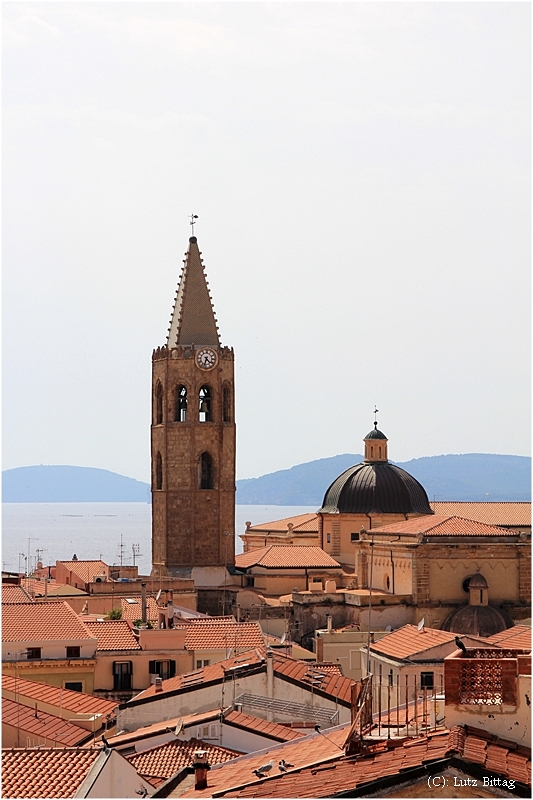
point(206, 358)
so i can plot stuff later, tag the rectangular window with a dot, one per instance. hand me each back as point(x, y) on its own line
point(122, 672)
point(391, 678)
point(74, 686)
point(249, 580)
point(426, 680)
point(34, 652)
point(328, 538)
point(73, 652)
point(164, 669)
point(354, 537)
point(205, 663)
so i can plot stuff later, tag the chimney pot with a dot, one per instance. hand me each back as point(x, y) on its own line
point(158, 684)
point(200, 766)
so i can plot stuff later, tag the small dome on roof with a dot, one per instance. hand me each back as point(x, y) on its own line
point(375, 434)
point(477, 620)
point(477, 581)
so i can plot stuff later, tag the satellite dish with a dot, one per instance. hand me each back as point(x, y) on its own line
point(421, 624)
point(179, 727)
point(388, 628)
point(283, 638)
point(158, 595)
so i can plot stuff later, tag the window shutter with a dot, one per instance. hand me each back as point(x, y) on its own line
point(151, 667)
point(172, 669)
point(131, 667)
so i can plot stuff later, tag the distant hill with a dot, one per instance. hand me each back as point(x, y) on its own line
point(54, 484)
point(472, 476)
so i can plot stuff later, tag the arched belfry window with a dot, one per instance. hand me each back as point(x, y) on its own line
point(204, 404)
point(158, 471)
point(180, 404)
point(158, 415)
point(205, 472)
point(226, 404)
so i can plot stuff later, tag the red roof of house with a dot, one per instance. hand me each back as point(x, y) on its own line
point(87, 570)
point(51, 772)
point(301, 523)
point(66, 699)
point(40, 622)
point(327, 681)
point(113, 635)
point(39, 725)
point(214, 635)
point(386, 759)
point(279, 556)
point(157, 764)
point(132, 609)
point(504, 514)
point(12, 593)
point(272, 730)
point(518, 636)
point(408, 640)
point(435, 525)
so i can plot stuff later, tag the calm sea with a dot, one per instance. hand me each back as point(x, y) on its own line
point(97, 530)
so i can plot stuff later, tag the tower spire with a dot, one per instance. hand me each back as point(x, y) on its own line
point(193, 318)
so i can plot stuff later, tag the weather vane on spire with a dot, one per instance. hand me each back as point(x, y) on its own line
point(376, 412)
point(193, 217)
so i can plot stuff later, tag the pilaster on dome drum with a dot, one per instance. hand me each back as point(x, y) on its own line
point(193, 320)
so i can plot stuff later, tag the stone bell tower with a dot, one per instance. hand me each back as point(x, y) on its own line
point(192, 435)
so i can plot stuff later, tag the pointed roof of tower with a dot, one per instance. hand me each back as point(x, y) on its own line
point(193, 318)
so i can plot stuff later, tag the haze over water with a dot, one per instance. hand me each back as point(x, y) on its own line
point(93, 530)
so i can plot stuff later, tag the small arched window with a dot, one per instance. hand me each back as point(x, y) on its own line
point(180, 404)
point(158, 471)
point(158, 416)
point(226, 404)
point(204, 404)
point(205, 472)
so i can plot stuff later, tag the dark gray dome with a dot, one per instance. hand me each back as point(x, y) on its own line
point(374, 488)
point(477, 620)
point(478, 581)
point(375, 434)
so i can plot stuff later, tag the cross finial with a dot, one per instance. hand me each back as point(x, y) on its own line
point(376, 411)
point(193, 217)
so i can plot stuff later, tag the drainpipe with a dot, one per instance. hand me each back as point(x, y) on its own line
point(170, 609)
point(143, 603)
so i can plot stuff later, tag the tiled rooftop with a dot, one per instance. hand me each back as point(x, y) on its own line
point(327, 681)
point(36, 588)
point(40, 622)
point(162, 762)
point(113, 635)
point(38, 725)
point(87, 570)
point(504, 514)
point(272, 730)
point(54, 772)
point(408, 640)
point(518, 636)
point(132, 609)
point(164, 726)
point(302, 523)
point(207, 635)
point(388, 759)
point(77, 702)
point(286, 556)
point(11, 593)
point(307, 750)
point(441, 525)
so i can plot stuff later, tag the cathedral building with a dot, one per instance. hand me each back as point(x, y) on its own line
point(193, 439)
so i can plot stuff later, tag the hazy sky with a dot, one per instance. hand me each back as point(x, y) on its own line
point(361, 172)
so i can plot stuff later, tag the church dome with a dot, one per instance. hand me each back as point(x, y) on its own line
point(374, 488)
point(375, 434)
point(477, 620)
point(477, 581)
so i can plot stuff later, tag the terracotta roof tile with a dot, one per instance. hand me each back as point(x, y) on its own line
point(518, 636)
point(36, 587)
point(207, 635)
point(273, 730)
point(51, 772)
point(113, 635)
point(77, 702)
point(39, 622)
point(38, 725)
point(503, 514)
point(11, 593)
point(132, 609)
point(441, 525)
point(329, 682)
point(165, 760)
point(300, 524)
point(286, 557)
point(162, 727)
point(408, 640)
point(87, 570)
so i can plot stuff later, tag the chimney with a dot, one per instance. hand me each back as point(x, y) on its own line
point(200, 766)
point(158, 684)
point(170, 609)
point(329, 623)
point(143, 603)
point(371, 637)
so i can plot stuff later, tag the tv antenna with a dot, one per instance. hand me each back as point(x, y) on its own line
point(135, 549)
